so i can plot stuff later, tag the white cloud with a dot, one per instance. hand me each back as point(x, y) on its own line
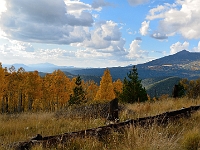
point(137, 2)
point(105, 43)
point(104, 35)
point(136, 53)
point(196, 49)
point(22, 52)
point(174, 48)
point(2, 6)
point(159, 36)
point(181, 17)
point(144, 28)
point(100, 3)
point(76, 7)
point(45, 21)
point(156, 13)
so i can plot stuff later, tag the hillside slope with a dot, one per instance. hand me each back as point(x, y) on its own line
point(158, 86)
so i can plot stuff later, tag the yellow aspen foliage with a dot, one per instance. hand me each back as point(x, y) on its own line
point(48, 93)
point(3, 88)
point(118, 86)
point(12, 91)
point(61, 89)
point(106, 89)
point(20, 89)
point(2, 81)
point(91, 89)
point(33, 88)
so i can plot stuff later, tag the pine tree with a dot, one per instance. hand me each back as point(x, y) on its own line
point(132, 88)
point(78, 96)
point(106, 89)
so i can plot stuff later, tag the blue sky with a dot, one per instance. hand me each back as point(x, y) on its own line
point(96, 33)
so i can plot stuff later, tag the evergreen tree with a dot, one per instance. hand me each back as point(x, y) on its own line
point(78, 96)
point(132, 88)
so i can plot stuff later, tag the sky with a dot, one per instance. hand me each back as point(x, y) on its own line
point(96, 33)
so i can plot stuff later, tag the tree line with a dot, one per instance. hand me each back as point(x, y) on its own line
point(27, 91)
point(22, 91)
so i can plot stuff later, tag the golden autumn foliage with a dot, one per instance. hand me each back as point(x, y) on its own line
point(91, 89)
point(106, 89)
point(118, 86)
point(22, 91)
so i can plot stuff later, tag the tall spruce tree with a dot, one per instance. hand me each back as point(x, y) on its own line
point(78, 96)
point(132, 88)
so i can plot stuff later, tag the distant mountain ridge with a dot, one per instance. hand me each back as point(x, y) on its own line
point(172, 65)
point(181, 57)
point(42, 67)
point(183, 64)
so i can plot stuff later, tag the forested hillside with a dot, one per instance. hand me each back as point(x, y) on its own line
point(159, 86)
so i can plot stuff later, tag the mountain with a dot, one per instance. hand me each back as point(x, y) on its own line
point(183, 64)
point(156, 87)
point(181, 57)
point(41, 67)
point(17, 66)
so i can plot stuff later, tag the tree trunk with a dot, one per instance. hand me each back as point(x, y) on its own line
point(2, 105)
point(20, 101)
point(30, 103)
point(6, 109)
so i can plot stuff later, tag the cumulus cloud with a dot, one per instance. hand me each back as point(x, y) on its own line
point(135, 51)
point(181, 17)
point(45, 21)
point(137, 2)
point(103, 35)
point(158, 12)
point(144, 28)
point(16, 51)
point(197, 49)
point(159, 36)
point(22, 52)
point(2, 6)
point(100, 3)
point(174, 48)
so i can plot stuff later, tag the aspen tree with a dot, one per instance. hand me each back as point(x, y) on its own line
point(3, 85)
point(118, 86)
point(48, 93)
point(106, 89)
point(21, 89)
point(33, 88)
point(91, 90)
point(61, 88)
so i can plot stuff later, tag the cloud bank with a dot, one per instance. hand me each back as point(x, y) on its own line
point(181, 17)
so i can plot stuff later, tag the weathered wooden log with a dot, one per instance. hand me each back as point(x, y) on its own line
point(100, 132)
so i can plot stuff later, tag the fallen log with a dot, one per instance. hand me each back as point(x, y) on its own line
point(100, 132)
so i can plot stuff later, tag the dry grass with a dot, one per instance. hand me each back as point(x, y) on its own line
point(158, 107)
point(183, 134)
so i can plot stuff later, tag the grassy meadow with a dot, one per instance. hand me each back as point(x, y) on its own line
point(184, 134)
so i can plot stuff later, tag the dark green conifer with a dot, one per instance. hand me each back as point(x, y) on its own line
point(78, 96)
point(132, 88)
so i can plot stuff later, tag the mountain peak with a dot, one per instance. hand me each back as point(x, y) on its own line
point(183, 52)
